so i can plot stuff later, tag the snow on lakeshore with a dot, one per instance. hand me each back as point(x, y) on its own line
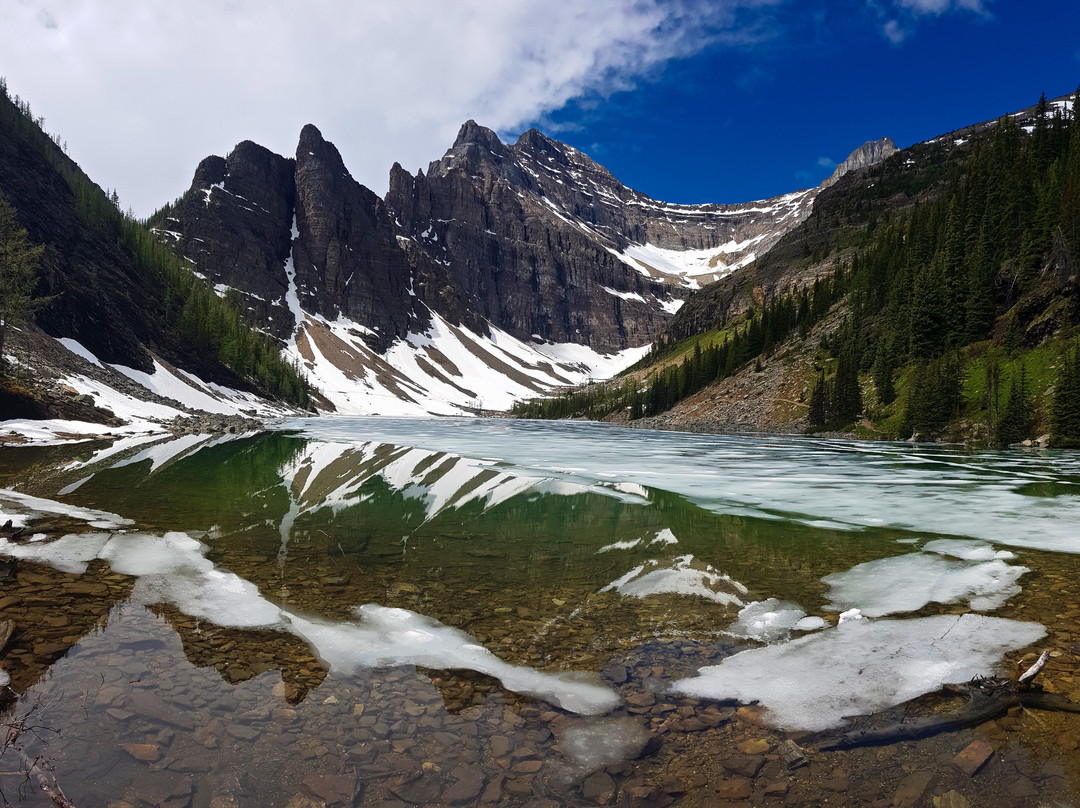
point(174, 569)
point(184, 389)
point(860, 666)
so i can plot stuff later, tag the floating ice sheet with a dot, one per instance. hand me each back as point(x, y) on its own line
point(984, 495)
point(907, 583)
point(386, 636)
point(860, 666)
point(967, 549)
point(771, 620)
point(16, 505)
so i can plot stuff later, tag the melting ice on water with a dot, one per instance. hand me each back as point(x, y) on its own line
point(174, 569)
point(860, 666)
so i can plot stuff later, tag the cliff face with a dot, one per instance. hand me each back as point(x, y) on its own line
point(868, 154)
point(502, 271)
point(535, 239)
point(549, 243)
point(235, 226)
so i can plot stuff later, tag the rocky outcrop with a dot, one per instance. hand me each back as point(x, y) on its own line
point(536, 235)
point(534, 238)
point(235, 224)
point(868, 154)
point(345, 251)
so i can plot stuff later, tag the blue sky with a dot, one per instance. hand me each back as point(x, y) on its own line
point(685, 100)
point(734, 124)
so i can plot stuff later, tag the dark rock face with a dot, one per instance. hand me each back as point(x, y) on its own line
point(235, 225)
point(346, 255)
point(253, 219)
point(526, 237)
point(530, 233)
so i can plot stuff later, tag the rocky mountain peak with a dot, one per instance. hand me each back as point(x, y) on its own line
point(474, 147)
point(869, 153)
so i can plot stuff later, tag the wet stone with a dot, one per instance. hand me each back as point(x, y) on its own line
point(641, 698)
point(951, 799)
point(1023, 787)
point(836, 784)
point(745, 765)
point(777, 789)
point(912, 789)
point(973, 757)
point(737, 788)
point(146, 752)
point(417, 790)
point(755, 746)
point(334, 790)
point(598, 788)
point(242, 733)
point(470, 781)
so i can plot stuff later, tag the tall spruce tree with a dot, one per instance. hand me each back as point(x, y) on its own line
point(19, 264)
point(1065, 409)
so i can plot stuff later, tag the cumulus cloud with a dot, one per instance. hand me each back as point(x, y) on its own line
point(142, 90)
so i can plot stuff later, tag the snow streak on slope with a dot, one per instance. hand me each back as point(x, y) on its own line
point(446, 370)
point(154, 398)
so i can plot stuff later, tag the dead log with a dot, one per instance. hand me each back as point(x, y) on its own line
point(985, 699)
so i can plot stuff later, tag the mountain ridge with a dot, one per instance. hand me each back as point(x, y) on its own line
point(532, 241)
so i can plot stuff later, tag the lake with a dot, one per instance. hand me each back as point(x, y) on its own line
point(392, 612)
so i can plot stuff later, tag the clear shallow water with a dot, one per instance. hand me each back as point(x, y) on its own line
point(428, 609)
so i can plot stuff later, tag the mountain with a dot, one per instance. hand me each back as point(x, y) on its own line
point(871, 152)
point(127, 330)
point(503, 272)
point(931, 294)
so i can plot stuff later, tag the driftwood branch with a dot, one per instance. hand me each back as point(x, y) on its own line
point(1030, 674)
point(985, 699)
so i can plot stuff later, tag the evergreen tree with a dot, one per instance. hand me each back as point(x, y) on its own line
point(1017, 415)
point(816, 415)
point(1065, 409)
point(19, 263)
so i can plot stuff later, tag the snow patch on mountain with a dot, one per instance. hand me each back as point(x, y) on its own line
point(445, 370)
point(689, 268)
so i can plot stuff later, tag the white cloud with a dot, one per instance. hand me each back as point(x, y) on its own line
point(142, 91)
point(894, 32)
point(826, 162)
point(941, 6)
point(897, 31)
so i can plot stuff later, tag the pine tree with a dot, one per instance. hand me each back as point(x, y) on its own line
point(816, 415)
point(1065, 409)
point(19, 263)
point(1015, 422)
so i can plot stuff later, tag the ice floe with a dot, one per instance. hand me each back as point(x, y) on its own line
point(860, 666)
point(907, 583)
point(771, 620)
